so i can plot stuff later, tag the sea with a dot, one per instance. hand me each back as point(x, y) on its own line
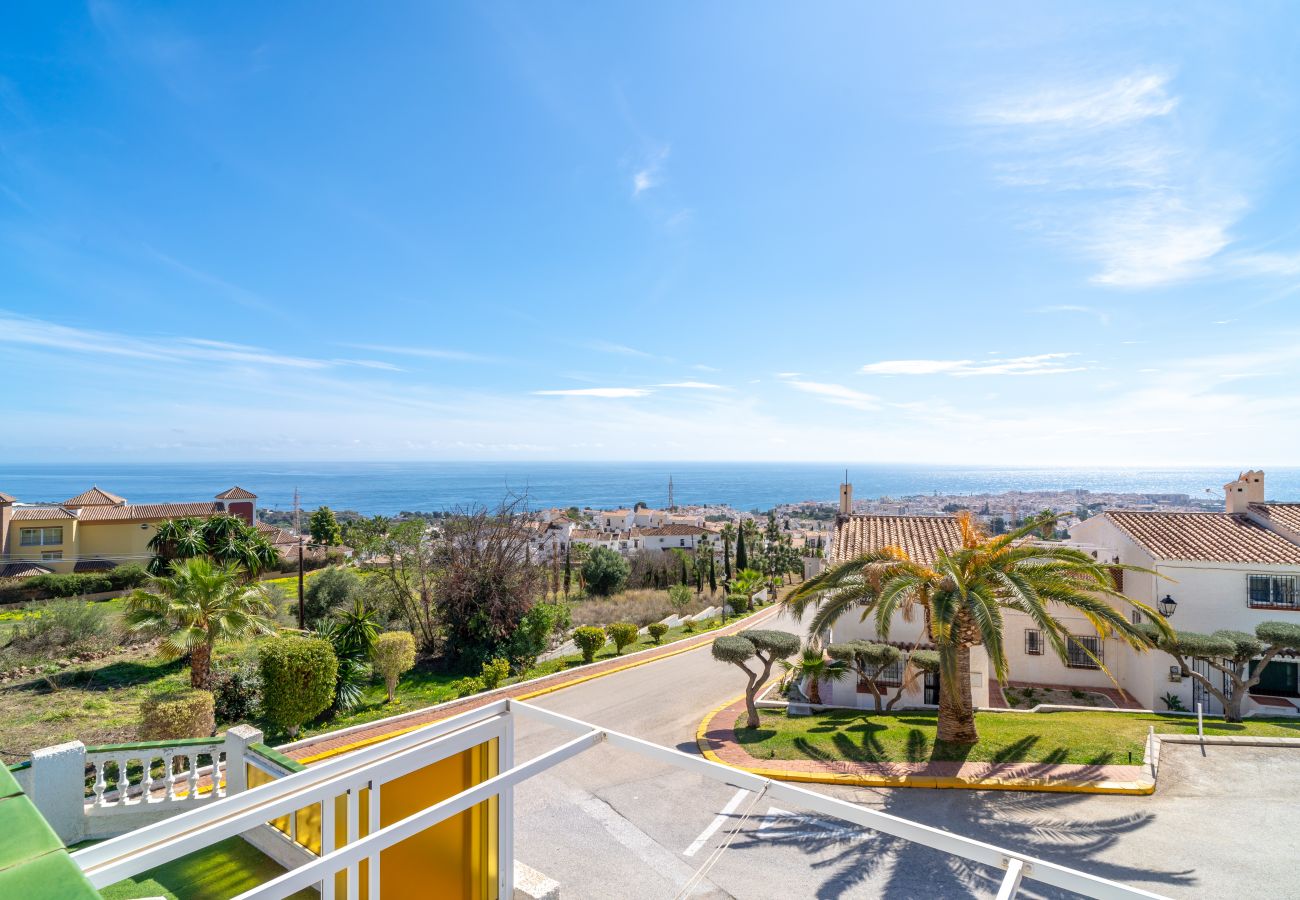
point(387, 488)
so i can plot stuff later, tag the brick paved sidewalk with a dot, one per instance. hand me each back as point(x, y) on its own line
point(719, 739)
point(313, 748)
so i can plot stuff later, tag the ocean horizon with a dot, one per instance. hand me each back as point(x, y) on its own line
point(390, 487)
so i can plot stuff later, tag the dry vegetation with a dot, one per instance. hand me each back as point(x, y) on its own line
point(641, 606)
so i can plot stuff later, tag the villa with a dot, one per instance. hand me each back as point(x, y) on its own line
point(97, 530)
point(1214, 570)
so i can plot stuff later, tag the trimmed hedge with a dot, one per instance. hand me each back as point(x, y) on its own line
point(183, 714)
point(657, 631)
point(298, 676)
point(622, 634)
point(393, 654)
point(589, 639)
point(73, 584)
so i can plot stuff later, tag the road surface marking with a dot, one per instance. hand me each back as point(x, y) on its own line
point(657, 858)
point(718, 821)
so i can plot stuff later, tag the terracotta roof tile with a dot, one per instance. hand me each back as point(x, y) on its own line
point(5, 498)
point(921, 537)
point(236, 493)
point(147, 512)
point(94, 565)
point(277, 535)
point(24, 569)
point(94, 497)
point(1205, 537)
point(1283, 515)
point(674, 530)
point(37, 513)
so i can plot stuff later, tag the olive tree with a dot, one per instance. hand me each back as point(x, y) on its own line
point(761, 645)
point(869, 660)
point(1230, 653)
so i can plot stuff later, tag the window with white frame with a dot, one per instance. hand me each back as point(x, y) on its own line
point(890, 676)
point(1273, 591)
point(41, 537)
point(1078, 651)
point(1033, 642)
point(51, 554)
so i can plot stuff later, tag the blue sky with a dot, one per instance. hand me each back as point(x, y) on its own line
point(1039, 234)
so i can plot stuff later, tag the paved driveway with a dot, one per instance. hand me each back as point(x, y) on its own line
point(609, 824)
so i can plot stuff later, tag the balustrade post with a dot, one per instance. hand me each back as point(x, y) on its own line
point(58, 788)
point(169, 764)
point(238, 740)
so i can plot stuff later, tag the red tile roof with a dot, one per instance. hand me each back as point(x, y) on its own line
point(147, 512)
point(1205, 537)
point(94, 497)
point(674, 530)
point(24, 569)
point(37, 513)
point(5, 498)
point(921, 537)
point(236, 493)
point(1283, 515)
point(94, 565)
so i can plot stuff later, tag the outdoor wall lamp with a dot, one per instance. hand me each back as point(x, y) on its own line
point(1167, 606)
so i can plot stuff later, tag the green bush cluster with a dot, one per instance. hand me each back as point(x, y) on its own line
point(464, 687)
point(237, 693)
point(298, 676)
point(657, 631)
point(495, 671)
point(589, 639)
point(73, 584)
point(393, 654)
point(182, 714)
point(622, 634)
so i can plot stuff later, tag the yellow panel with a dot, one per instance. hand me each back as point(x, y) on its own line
point(307, 827)
point(257, 778)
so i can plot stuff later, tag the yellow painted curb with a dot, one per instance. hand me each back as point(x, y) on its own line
point(995, 783)
point(357, 745)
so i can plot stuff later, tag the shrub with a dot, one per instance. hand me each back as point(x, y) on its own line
point(237, 693)
point(62, 623)
point(495, 671)
point(535, 632)
point(688, 626)
point(464, 687)
point(298, 676)
point(589, 639)
point(657, 631)
point(182, 714)
point(332, 590)
point(680, 596)
point(393, 654)
point(605, 571)
point(622, 634)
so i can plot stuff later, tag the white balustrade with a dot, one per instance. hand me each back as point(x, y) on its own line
point(183, 779)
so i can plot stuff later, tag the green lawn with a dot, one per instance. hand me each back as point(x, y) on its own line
point(1094, 738)
point(223, 870)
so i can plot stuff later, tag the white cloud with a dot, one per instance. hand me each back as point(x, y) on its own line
point(648, 175)
point(619, 349)
point(425, 352)
point(1086, 105)
point(607, 392)
point(1268, 263)
point(1123, 184)
point(1041, 364)
point(837, 393)
point(692, 385)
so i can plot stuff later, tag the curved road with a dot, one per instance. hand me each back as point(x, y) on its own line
point(612, 824)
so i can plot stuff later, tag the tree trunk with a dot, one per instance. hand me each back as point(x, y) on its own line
point(814, 692)
point(956, 708)
point(201, 666)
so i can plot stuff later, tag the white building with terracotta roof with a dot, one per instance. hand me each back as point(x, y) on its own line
point(96, 529)
point(1215, 571)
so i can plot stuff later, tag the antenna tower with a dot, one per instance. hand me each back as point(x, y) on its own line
point(671, 505)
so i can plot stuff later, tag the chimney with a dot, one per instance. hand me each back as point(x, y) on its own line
point(1247, 489)
point(846, 497)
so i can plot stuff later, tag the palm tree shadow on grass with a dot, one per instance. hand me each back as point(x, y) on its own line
point(1038, 824)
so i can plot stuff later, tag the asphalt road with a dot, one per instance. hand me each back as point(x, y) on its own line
point(611, 824)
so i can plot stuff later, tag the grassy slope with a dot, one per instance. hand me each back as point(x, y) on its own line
point(1061, 737)
point(223, 870)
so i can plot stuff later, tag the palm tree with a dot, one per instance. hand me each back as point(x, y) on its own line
point(813, 666)
point(963, 596)
point(227, 539)
point(199, 604)
point(747, 583)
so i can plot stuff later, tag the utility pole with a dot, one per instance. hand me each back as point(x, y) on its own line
point(297, 514)
point(302, 621)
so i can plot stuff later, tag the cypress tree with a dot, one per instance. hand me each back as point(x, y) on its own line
point(682, 558)
point(568, 571)
point(726, 560)
point(742, 558)
point(713, 577)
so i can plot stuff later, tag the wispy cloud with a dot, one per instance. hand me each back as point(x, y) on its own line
point(693, 385)
point(423, 352)
point(839, 394)
point(606, 392)
point(1129, 190)
point(648, 174)
point(1040, 364)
